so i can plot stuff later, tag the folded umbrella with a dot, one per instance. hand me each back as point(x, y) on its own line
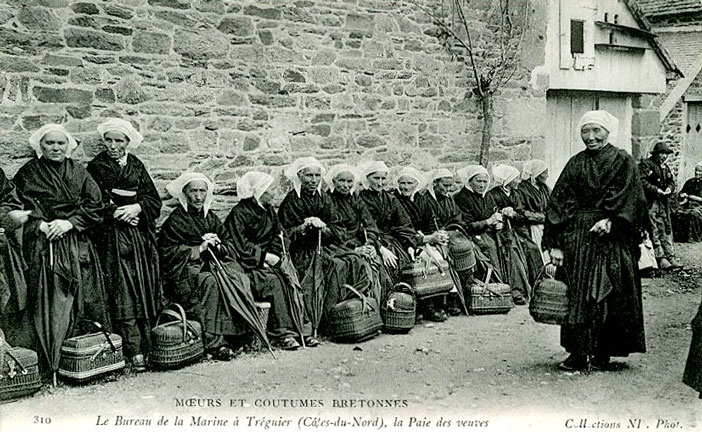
point(292, 290)
point(313, 287)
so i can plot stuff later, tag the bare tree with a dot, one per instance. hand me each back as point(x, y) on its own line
point(487, 37)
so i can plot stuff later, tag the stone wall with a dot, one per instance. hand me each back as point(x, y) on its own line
point(226, 86)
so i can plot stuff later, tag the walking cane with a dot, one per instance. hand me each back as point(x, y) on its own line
point(51, 254)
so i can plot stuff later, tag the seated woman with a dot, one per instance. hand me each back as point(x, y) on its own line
point(64, 268)
point(525, 261)
point(255, 232)
point(308, 217)
point(397, 235)
point(480, 220)
point(187, 236)
point(687, 220)
point(14, 313)
point(533, 195)
point(128, 236)
point(360, 233)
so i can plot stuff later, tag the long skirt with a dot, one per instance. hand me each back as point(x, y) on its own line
point(537, 233)
point(604, 292)
point(693, 367)
point(267, 286)
point(687, 225)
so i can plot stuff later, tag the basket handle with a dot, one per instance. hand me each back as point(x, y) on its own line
point(180, 315)
point(542, 272)
point(403, 287)
point(104, 331)
point(364, 299)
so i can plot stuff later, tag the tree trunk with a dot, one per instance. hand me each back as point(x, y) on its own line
point(486, 106)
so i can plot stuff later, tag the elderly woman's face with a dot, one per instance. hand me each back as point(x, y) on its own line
point(479, 183)
point(266, 197)
point(444, 185)
point(698, 172)
point(594, 136)
point(310, 178)
point(116, 144)
point(54, 146)
point(407, 185)
point(195, 193)
point(376, 180)
point(343, 182)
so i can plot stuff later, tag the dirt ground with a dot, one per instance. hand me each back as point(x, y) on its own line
point(486, 372)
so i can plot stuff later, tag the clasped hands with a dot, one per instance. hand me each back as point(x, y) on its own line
point(603, 226)
point(128, 213)
point(665, 192)
point(440, 237)
point(367, 251)
point(210, 239)
point(314, 222)
point(495, 220)
point(55, 229)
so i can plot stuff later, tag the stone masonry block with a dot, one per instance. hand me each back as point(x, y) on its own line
point(201, 44)
point(151, 43)
point(175, 4)
point(236, 25)
point(62, 95)
point(85, 38)
point(35, 18)
point(645, 122)
point(268, 13)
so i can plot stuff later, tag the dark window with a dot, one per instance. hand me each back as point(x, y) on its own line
point(577, 42)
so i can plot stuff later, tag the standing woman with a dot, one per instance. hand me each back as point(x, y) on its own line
point(533, 195)
point(128, 235)
point(14, 314)
point(693, 367)
point(397, 235)
point(64, 268)
point(594, 224)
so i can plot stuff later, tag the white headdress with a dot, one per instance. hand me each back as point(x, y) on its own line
point(125, 127)
point(175, 188)
point(414, 173)
point(533, 169)
point(35, 138)
point(435, 175)
point(604, 119)
point(297, 166)
point(369, 168)
point(253, 184)
point(338, 169)
point(468, 172)
point(504, 174)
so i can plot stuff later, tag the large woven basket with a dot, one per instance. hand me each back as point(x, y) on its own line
point(19, 371)
point(428, 280)
point(489, 297)
point(549, 304)
point(399, 309)
point(91, 355)
point(355, 319)
point(263, 310)
point(176, 343)
point(462, 251)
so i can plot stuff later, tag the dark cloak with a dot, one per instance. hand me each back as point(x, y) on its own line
point(475, 211)
point(693, 367)
point(15, 320)
point(73, 289)
point(395, 227)
point(255, 231)
point(341, 265)
point(604, 288)
point(533, 200)
point(187, 278)
point(129, 253)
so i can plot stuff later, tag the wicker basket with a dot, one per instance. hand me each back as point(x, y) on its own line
point(549, 304)
point(176, 343)
point(354, 320)
point(91, 355)
point(462, 251)
point(263, 310)
point(19, 371)
point(399, 310)
point(428, 280)
point(489, 298)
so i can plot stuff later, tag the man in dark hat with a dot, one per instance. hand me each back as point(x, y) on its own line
point(659, 185)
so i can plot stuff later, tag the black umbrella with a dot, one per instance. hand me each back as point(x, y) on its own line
point(292, 290)
point(239, 298)
point(313, 287)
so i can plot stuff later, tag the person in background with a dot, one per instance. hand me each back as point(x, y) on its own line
point(255, 232)
point(14, 311)
point(189, 234)
point(594, 224)
point(129, 253)
point(693, 367)
point(658, 184)
point(533, 196)
point(65, 275)
point(687, 219)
